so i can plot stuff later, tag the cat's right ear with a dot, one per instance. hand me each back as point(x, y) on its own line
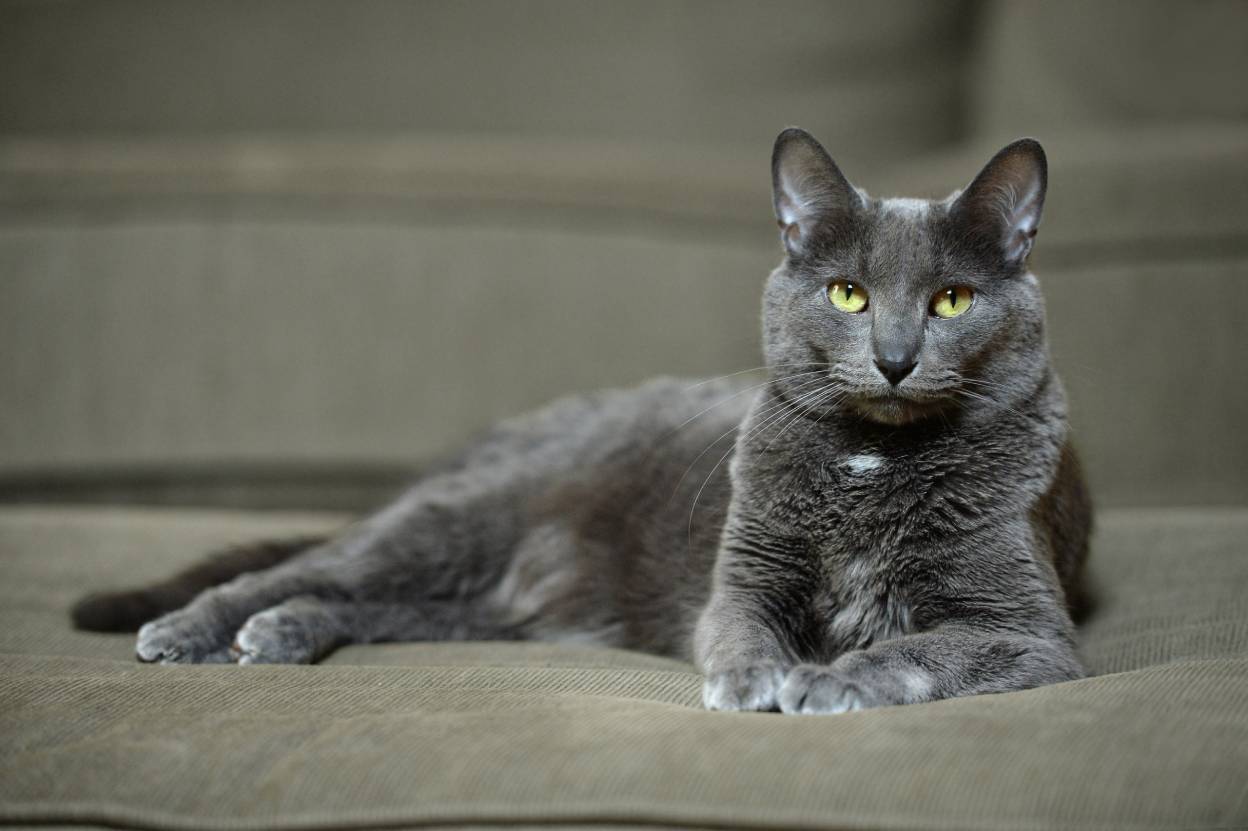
point(807, 187)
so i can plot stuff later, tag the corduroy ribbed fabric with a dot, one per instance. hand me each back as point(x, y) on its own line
point(454, 735)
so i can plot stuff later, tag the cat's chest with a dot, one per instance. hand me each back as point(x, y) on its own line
point(868, 497)
point(874, 514)
point(862, 603)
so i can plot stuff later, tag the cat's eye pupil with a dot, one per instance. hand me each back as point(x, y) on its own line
point(849, 290)
point(953, 297)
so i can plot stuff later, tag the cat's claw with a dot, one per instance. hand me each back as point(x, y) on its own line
point(751, 687)
point(822, 690)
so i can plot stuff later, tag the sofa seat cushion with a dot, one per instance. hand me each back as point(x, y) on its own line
point(451, 734)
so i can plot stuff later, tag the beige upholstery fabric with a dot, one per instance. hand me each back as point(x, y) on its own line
point(1045, 66)
point(449, 734)
point(881, 80)
point(249, 339)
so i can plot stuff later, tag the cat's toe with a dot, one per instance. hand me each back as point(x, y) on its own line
point(752, 687)
point(177, 638)
point(274, 636)
point(821, 690)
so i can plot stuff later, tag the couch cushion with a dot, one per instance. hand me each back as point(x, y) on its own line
point(454, 734)
point(271, 303)
point(884, 79)
point(257, 314)
point(1048, 65)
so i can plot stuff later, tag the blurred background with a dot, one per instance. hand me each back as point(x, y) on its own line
point(270, 253)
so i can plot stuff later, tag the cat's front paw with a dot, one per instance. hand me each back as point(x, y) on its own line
point(817, 690)
point(750, 687)
point(181, 637)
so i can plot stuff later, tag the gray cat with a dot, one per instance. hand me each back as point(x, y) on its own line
point(902, 518)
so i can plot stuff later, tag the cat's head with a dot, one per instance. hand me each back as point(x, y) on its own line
point(897, 310)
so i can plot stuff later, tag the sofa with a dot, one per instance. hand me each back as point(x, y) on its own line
point(262, 262)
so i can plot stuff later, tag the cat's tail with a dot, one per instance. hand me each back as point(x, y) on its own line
point(126, 611)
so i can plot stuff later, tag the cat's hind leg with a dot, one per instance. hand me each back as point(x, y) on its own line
point(451, 538)
point(305, 629)
point(430, 546)
point(202, 631)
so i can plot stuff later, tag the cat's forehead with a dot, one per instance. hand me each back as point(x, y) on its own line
point(901, 233)
point(892, 240)
point(903, 211)
point(899, 230)
point(904, 208)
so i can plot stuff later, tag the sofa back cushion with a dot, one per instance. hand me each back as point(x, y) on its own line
point(349, 307)
point(1047, 66)
point(878, 80)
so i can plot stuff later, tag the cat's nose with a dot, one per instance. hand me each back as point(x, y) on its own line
point(895, 367)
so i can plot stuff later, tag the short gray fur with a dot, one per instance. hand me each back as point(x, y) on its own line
point(827, 540)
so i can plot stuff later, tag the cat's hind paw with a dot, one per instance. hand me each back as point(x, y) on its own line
point(281, 635)
point(178, 638)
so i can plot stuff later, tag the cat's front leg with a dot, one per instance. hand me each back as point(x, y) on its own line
point(742, 659)
point(747, 637)
point(946, 662)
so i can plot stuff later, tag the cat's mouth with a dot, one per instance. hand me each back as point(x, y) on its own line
point(897, 407)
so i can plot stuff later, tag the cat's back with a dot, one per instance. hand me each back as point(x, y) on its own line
point(599, 426)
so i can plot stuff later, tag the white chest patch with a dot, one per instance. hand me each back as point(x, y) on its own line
point(864, 463)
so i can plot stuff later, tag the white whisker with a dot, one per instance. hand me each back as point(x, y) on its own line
point(828, 396)
point(728, 432)
point(737, 394)
point(775, 412)
point(756, 369)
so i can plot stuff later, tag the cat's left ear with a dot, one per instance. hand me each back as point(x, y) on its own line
point(807, 188)
point(1003, 204)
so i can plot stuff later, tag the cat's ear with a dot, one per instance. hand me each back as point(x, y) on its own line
point(807, 187)
point(1002, 205)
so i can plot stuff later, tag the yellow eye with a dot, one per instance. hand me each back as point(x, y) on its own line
point(847, 297)
point(952, 301)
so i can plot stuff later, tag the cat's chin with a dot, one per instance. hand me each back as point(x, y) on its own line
point(895, 410)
